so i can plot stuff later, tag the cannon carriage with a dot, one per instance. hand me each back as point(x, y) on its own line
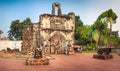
point(103, 53)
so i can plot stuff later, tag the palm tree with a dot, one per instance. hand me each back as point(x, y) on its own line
point(110, 17)
point(95, 36)
point(104, 36)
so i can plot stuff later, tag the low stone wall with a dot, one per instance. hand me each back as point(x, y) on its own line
point(10, 44)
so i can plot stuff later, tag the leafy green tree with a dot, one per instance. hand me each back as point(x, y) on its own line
point(78, 24)
point(89, 33)
point(113, 39)
point(16, 29)
point(82, 33)
point(90, 30)
point(104, 37)
point(107, 17)
point(95, 36)
point(110, 17)
point(100, 25)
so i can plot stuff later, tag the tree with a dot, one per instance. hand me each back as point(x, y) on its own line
point(78, 24)
point(113, 39)
point(104, 37)
point(89, 33)
point(90, 30)
point(16, 29)
point(107, 17)
point(82, 34)
point(95, 36)
point(110, 17)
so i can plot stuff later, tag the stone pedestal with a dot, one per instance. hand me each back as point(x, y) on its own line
point(102, 56)
point(37, 61)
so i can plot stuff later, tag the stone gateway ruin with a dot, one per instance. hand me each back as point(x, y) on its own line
point(53, 34)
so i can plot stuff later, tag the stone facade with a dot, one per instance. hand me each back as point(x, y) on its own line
point(53, 33)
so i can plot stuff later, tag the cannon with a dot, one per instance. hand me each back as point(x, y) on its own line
point(103, 53)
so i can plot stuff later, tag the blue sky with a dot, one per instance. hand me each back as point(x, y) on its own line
point(88, 10)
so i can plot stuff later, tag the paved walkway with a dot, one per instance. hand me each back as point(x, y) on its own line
point(76, 62)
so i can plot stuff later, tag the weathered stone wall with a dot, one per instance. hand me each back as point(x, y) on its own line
point(60, 27)
point(55, 33)
point(29, 37)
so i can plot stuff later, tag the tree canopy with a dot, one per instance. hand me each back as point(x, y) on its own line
point(109, 16)
point(95, 36)
point(78, 24)
point(16, 29)
point(101, 24)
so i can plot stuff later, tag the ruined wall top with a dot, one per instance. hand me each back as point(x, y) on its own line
point(56, 4)
point(70, 15)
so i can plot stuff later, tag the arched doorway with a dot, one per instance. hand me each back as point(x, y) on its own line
point(57, 43)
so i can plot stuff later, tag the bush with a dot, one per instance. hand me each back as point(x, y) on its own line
point(90, 46)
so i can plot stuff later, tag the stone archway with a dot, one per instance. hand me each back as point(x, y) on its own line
point(57, 42)
point(56, 4)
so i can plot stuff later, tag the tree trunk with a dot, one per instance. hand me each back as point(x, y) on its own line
point(111, 25)
point(96, 45)
point(110, 19)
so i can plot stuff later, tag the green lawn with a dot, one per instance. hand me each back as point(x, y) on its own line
point(89, 51)
point(94, 51)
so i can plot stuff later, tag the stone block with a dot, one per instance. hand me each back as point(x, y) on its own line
point(102, 56)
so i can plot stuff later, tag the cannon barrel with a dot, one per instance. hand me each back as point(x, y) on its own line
point(105, 51)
